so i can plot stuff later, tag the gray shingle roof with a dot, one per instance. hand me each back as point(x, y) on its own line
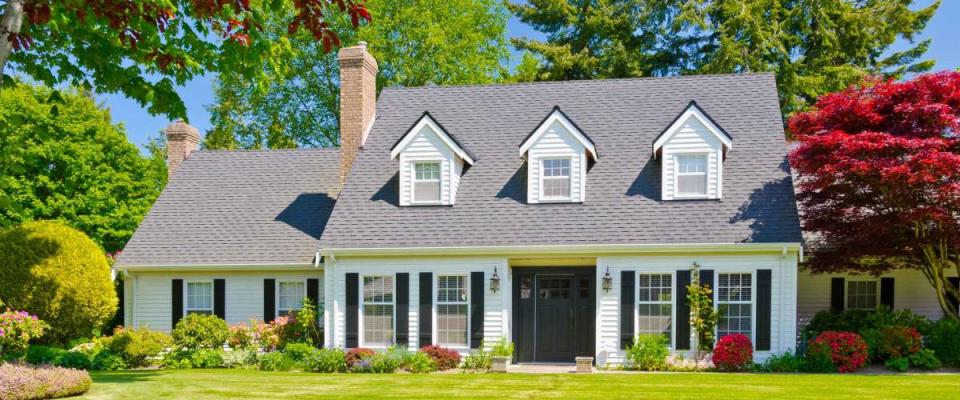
point(623, 203)
point(239, 207)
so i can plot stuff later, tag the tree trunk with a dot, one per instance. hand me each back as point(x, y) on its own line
point(10, 22)
point(936, 262)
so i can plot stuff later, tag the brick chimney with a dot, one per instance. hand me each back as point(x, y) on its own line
point(182, 139)
point(358, 102)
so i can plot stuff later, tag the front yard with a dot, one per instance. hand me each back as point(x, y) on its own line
point(218, 384)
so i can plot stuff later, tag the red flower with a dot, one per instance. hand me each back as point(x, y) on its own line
point(846, 350)
point(733, 352)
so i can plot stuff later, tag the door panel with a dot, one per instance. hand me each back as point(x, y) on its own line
point(553, 314)
point(555, 318)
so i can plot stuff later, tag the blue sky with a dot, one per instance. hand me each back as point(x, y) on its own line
point(943, 29)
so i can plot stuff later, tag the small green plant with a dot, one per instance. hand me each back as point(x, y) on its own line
point(897, 364)
point(786, 362)
point(925, 359)
point(384, 363)
point(275, 361)
point(648, 353)
point(306, 325)
point(327, 360)
point(198, 331)
point(402, 354)
point(299, 351)
point(703, 317)
point(502, 348)
point(107, 361)
point(478, 361)
point(239, 358)
point(421, 363)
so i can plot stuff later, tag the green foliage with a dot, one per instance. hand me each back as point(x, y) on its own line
point(198, 331)
point(138, 346)
point(897, 364)
point(402, 354)
point(299, 351)
point(194, 358)
point(59, 274)
point(17, 329)
point(477, 360)
point(420, 363)
point(502, 348)
point(38, 355)
point(306, 326)
point(61, 158)
point(648, 353)
point(925, 359)
point(239, 358)
point(326, 360)
point(73, 359)
point(814, 46)
point(107, 361)
point(241, 337)
point(383, 363)
point(416, 42)
point(944, 339)
point(275, 361)
point(861, 320)
point(703, 317)
point(786, 362)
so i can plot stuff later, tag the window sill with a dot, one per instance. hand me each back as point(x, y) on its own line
point(426, 203)
point(694, 197)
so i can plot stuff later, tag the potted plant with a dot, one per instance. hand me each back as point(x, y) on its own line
point(501, 353)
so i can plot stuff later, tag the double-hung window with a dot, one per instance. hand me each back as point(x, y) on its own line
point(862, 295)
point(378, 310)
point(290, 296)
point(426, 182)
point(655, 308)
point(199, 298)
point(692, 175)
point(452, 310)
point(555, 179)
point(735, 304)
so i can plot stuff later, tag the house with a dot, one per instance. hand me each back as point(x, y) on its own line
point(567, 217)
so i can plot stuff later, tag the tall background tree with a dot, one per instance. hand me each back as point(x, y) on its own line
point(61, 158)
point(145, 48)
point(878, 171)
point(814, 46)
point(416, 42)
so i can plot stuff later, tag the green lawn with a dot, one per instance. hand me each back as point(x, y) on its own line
point(218, 384)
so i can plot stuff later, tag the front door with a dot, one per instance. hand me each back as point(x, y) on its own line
point(554, 318)
point(553, 313)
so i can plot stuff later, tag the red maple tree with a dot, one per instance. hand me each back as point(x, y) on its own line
point(878, 173)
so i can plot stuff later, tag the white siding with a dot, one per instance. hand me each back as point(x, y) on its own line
point(426, 146)
point(557, 142)
point(783, 294)
point(243, 298)
point(496, 305)
point(455, 179)
point(911, 291)
point(692, 138)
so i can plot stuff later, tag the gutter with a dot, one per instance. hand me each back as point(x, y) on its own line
point(215, 267)
point(557, 250)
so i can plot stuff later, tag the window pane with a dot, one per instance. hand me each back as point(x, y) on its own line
point(734, 296)
point(556, 187)
point(655, 311)
point(558, 168)
point(452, 324)
point(426, 191)
point(199, 295)
point(690, 164)
point(451, 289)
point(862, 295)
point(427, 171)
point(692, 184)
point(291, 296)
point(378, 289)
point(378, 324)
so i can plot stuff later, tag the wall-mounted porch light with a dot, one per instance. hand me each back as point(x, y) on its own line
point(494, 281)
point(607, 281)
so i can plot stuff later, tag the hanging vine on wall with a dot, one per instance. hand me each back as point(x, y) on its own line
point(703, 317)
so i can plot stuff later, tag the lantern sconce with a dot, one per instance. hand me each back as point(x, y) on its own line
point(607, 281)
point(494, 281)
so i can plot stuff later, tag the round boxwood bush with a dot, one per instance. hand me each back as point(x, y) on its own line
point(59, 274)
point(198, 331)
point(733, 352)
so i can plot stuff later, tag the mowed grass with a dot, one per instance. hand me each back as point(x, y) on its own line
point(222, 384)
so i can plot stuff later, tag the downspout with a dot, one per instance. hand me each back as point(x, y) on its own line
point(783, 255)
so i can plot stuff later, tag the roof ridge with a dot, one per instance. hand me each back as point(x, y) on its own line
point(571, 81)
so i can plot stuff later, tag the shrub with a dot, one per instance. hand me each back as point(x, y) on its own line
point(383, 363)
point(265, 335)
point(275, 361)
point(354, 356)
point(241, 337)
point(107, 361)
point(37, 355)
point(402, 354)
point(299, 351)
point(860, 321)
point(239, 358)
point(26, 382)
point(944, 339)
point(846, 350)
point(305, 326)
point(198, 331)
point(648, 353)
point(444, 358)
point(502, 348)
point(60, 275)
point(199, 358)
point(897, 364)
point(73, 359)
point(786, 362)
point(733, 352)
point(17, 329)
point(898, 342)
point(477, 360)
point(326, 360)
point(679, 363)
point(925, 359)
point(138, 347)
point(421, 363)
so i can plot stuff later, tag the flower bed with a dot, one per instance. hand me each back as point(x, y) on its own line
point(26, 382)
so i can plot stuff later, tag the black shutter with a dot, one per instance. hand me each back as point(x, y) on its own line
point(353, 310)
point(403, 309)
point(627, 301)
point(476, 309)
point(269, 300)
point(886, 292)
point(836, 294)
point(425, 316)
point(764, 300)
point(220, 298)
point(177, 302)
point(313, 293)
point(706, 279)
point(683, 311)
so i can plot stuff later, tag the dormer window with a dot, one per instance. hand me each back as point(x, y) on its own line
point(431, 162)
point(692, 149)
point(557, 154)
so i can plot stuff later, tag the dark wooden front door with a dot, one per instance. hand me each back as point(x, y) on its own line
point(553, 314)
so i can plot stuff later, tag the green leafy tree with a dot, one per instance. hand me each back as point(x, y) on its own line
point(144, 48)
point(703, 316)
point(61, 158)
point(416, 43)
point(814, 46)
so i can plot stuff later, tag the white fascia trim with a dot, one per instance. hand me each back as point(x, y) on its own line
point(428, 121)
point(554, 250)
point(557, 116)
point(215, 267)
point(692, 112)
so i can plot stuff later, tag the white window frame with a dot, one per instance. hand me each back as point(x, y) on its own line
point(436, 309)
point(676, 175)
point(277, 295)
point(846, 293)
point(752, 302)
point(361, 322)
point(544, 198)
point(673, 304)
point(186, 296)
point(414, 180)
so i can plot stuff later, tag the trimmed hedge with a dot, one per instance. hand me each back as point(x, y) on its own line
point(59, 274)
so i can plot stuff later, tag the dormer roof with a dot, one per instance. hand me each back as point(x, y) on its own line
point(427, 121)
point(693, 110)
point(557, 115)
